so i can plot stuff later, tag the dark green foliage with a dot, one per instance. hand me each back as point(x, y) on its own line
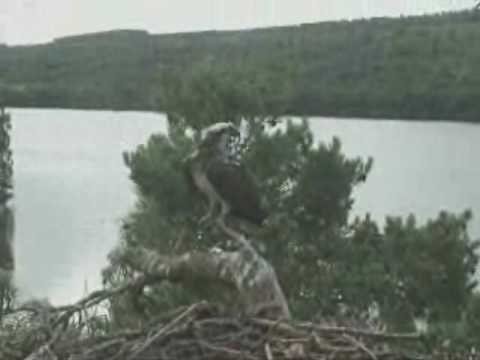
point(327, 265)
point(435, 264)
point(417, 67)
point(460, 335)
point(209, 97)
point(6, 161)
point(7, 291)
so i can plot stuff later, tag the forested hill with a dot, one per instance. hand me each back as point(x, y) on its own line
point(418, 67)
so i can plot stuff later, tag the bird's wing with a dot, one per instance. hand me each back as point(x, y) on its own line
point(236, 185)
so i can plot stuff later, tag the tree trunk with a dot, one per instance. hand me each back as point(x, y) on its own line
point(248, 275)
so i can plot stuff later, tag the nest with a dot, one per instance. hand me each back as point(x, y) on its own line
point(201, 332)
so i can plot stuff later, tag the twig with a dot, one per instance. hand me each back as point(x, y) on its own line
point(282, 326)
point(323, 345)
point(104, 345)
point(268, 351)
point(164, 329)
point(228, 351)
point(97, 297)
point(363, 333)
point(361, 346)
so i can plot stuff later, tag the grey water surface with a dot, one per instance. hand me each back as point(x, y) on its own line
point(72, 189)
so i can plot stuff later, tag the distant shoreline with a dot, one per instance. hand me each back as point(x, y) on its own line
point(309, 117)
point(413, 68)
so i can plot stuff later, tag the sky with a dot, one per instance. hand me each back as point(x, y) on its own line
point(39, 21)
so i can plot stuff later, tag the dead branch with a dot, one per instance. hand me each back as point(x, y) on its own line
point(244, 272)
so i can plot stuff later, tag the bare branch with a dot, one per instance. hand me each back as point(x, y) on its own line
point(244, 271)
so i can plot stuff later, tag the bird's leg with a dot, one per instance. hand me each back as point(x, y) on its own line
point(209, 214)
point(238, 237)
point(225, 210)
point(233, 234)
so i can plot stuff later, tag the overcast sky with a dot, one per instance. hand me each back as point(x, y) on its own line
point(35, 21)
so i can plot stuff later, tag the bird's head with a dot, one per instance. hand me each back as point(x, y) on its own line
point(214, 139)
point(217, 137)
point(213, 133)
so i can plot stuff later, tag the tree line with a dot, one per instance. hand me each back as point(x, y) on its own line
point(423, 67)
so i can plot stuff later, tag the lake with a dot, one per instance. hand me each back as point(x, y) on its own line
point(72, 188)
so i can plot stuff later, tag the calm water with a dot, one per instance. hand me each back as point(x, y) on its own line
point(72, 188)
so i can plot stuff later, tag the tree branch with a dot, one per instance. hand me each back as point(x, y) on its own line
point(243, 271)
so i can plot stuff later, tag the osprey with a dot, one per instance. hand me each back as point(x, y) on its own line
point(211, 170)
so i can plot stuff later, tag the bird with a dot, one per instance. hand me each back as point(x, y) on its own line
point(213, 170)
